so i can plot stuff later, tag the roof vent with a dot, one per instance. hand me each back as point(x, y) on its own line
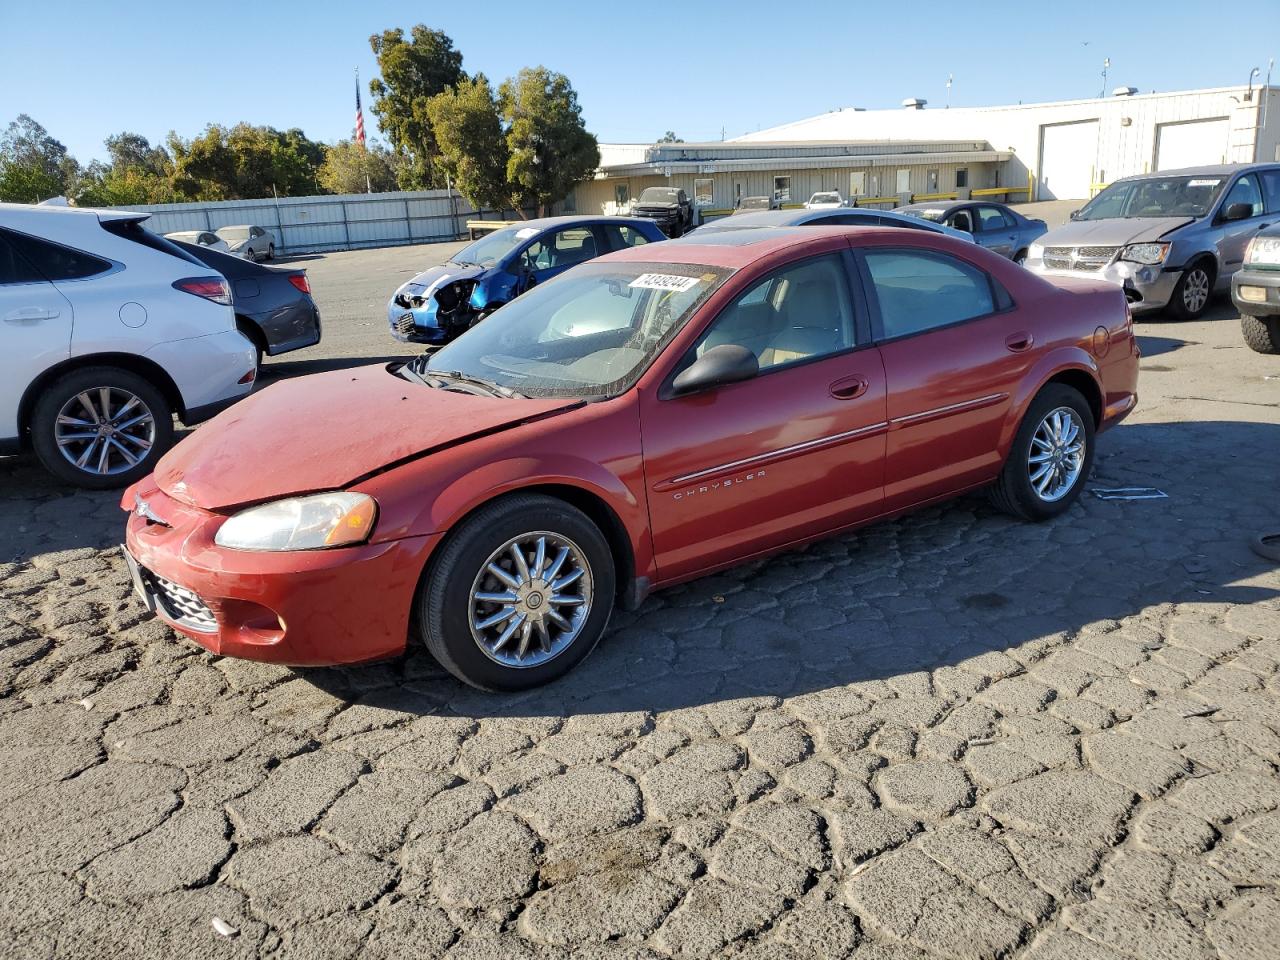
point(914, 103)
point(1124, 91)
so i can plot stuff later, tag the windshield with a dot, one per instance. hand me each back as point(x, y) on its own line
point(825, 198)
point(590, 332)
point(659, 195)
point(1154, 197)
point(488, 250)
point(233, 233)
point(924, 213)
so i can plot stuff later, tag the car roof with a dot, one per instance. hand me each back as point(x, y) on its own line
point(25, 212)
point(546, 223)
point(738, 248)
point(1207, 170)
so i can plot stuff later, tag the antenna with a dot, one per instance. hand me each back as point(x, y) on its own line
point(1106, 65)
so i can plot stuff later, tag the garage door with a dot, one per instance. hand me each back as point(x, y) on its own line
point(1191, 143)
point(1068, 154)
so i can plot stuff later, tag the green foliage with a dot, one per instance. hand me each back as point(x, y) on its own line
point(33, 165)
point(245, 162)
point(346, 165)
point(670, 137)
point(550, 147)
point(413, 71)
point(472, 142)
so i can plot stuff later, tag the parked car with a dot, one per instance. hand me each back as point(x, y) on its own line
point(495, 498)
point(994, 225)
point(201, 238)
point(440, 303)
point(1255, 291)
point(825, 200)
point(153, 335)
point(250, 242)
point(668, 207)
point(273, 305)
point(846, 217)
point(756, 204)
point(1170, 239)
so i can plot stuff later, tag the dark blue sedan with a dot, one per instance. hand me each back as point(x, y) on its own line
point(993, 225)
point(440, 303)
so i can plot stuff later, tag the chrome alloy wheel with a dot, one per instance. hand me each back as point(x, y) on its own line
point(105, 430)
point(1057, 454)
point(531, 599)
point(1195, 289)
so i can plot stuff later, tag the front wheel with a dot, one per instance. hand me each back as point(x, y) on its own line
point(518, 595)
point(1051, 456)
point(1191, 294)
point(1262, 334)
point(101, 427)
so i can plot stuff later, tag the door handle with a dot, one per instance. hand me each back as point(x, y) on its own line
point(28, 316)
point(849, 388)
point(1017, 342)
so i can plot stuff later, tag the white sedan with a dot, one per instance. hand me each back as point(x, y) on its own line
point(154, 335)
point(249, 242)
point(201, 238)
point(825, 200)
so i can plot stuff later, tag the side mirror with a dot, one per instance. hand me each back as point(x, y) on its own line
point(1238, 211)
point(727, 363)
point(1074, 215)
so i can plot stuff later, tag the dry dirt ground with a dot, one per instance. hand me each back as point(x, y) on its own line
point(952, 735)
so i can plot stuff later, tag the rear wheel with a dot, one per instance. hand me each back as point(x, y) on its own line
point(1192, 292)
point(1261, 333)
point(518, 595)
point(101, 427)
point(271, 251)
point(1020, 257)
point(1051, 456)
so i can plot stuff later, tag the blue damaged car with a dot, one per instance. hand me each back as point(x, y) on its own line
point(439, 304)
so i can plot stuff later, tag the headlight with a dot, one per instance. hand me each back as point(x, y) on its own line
point(1035, 251)
point(1145, 252)
point(301, 523)
point(1264, 250)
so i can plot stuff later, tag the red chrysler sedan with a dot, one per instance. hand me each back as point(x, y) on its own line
point(644, 419)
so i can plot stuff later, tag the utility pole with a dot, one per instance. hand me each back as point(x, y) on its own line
point(1106, 65)
point(950, 77)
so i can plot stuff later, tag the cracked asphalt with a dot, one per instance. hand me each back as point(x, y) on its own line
point(950, 735)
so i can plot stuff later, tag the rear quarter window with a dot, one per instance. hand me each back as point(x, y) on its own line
point(54, 261)
point(134, 231)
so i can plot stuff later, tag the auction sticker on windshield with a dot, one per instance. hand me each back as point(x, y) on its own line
point(1203, 183)
point(526, 233)
point(664, 281)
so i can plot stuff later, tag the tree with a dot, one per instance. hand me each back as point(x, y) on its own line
point(245, 162)
point(347, 163)
point(413, 71)
point(670, 137)
point(472, 142)
point(550, 148)
point(33, 165)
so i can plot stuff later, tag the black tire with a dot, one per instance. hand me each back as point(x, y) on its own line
point(248, 255)
point(1020, 257)
point(271, 251)
point(1185, 304)
point(1261, 333)
point(90, 381)
point(444, 606)
point(1013, 491)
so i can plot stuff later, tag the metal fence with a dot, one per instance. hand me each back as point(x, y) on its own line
point(340, 222)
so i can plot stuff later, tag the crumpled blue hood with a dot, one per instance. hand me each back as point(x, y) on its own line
point(445, 273)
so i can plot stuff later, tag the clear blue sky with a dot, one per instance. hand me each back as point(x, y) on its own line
point(89, 69)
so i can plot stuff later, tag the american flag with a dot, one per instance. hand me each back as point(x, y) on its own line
point(359, 115)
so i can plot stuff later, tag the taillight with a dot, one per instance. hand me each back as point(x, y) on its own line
point(299, 280)
point(210, 288)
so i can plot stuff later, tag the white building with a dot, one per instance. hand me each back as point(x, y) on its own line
point(1044, 151)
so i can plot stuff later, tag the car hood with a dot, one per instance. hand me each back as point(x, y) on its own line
point(1112, 233)
point(429, 280)
point(324, 431)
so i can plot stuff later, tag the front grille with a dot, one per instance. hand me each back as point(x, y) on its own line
point(179, 604)
point(1078, 258)
point(660, 213)
point(405, 324)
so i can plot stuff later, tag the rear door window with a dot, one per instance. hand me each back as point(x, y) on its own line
point(54, 261)
point(14, 267)
point(921, 290)
point(1271, 189)
point(992, 218)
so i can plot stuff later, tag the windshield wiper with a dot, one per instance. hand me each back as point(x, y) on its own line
point(406, 370)
point(496, 389)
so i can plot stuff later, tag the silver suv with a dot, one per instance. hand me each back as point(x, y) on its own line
point(1171, 239)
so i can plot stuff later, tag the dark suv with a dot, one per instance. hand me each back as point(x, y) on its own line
point(668, 207)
